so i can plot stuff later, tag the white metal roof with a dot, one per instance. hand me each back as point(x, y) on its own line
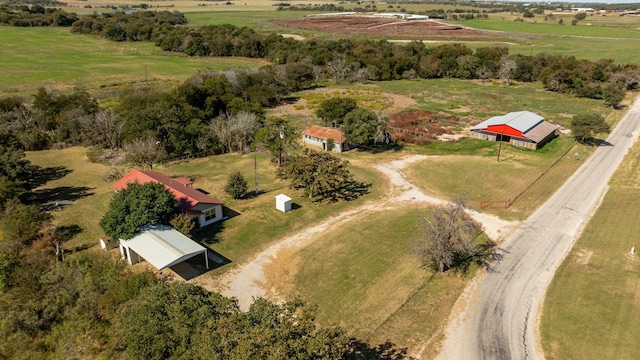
point(163, 246)
point(522, 121)
point(282, 197)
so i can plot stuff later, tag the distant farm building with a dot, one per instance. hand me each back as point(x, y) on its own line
point(200, 206)
point(330, 139)
point(521, 128)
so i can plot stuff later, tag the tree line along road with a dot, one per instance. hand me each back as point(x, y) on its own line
point(496, 317)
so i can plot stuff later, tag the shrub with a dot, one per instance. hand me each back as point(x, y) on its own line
point(236, 185)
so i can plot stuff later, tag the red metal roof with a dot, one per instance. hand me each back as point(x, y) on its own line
point(325, 133)
point(186, 195)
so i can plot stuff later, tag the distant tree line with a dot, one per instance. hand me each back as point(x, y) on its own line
point(137, 26)
point(211, 112)
point(36, 15)
point(357, 60)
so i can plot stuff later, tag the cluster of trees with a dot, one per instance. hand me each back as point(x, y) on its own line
point(321, 176)
point(137, 26)
point(91, 306)
point(36, 15)
point(356, 60)
point(361, 126)
point(210, 112)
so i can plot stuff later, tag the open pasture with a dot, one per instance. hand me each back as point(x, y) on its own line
point(480, 100)
point(56, 58)
point(592, 307)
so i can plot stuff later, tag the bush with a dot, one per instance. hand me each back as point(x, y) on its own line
point(236, 185)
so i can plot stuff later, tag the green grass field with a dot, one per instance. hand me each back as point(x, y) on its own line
point(369, 282)
point(611, 39)
point(54, 57)
point(592, 308)
point(474, 99)
point(253, 223)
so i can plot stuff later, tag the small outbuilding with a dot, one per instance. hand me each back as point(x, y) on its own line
point(162, 246)
point(283, 203)
point(329, 139)
point(521, 129)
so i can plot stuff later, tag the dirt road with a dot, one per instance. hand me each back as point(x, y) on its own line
point(248, 280)
point(496, 317)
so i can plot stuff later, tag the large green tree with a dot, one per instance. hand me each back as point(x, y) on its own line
point(138, 205)
point(333, 111)
point(278, 136)
point(585, 126)
point(319, 174)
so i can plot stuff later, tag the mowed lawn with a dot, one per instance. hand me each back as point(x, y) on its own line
point(592, 308)
point(54, 57)
point(365, 278)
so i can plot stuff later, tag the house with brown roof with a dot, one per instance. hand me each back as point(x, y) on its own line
point(200, 206)
point(329, 139)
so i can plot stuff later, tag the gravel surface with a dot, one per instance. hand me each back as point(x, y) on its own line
point(497, 315)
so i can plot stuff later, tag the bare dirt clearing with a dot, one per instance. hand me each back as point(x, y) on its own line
point(390, 103)
point(248, 281)
point(382, 26)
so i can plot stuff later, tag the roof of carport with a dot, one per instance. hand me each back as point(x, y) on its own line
point(163, 246)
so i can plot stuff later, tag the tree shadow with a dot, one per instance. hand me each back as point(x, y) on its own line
point(384, 351)
point(350, 191)
point(376, 149)
point(252, 194)
point(61, 193)
point(68, 232)
point(485, 255)
point(595, 142)
point(44, 175)
point(211, 234)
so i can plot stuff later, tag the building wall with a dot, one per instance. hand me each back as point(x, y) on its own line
point(202, 218)
point(514, 141)
point(322, 143)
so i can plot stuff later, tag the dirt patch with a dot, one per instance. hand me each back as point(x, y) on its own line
point(370, 25)
point(584, 257)
point(386, 103)
point(421, 126)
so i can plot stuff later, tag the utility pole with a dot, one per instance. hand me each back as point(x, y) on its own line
point(255, 170)
point(500, 145)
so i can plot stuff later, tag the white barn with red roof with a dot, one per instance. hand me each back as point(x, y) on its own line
point(520, 128)
point(319, 136)
point(205, 209)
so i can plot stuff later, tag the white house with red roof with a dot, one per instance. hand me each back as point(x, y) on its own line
point(205, 209)
point(319, 136)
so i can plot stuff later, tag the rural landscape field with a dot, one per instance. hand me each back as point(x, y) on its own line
point(223, 97)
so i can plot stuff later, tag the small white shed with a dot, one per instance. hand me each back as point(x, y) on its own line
point(283, 203)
